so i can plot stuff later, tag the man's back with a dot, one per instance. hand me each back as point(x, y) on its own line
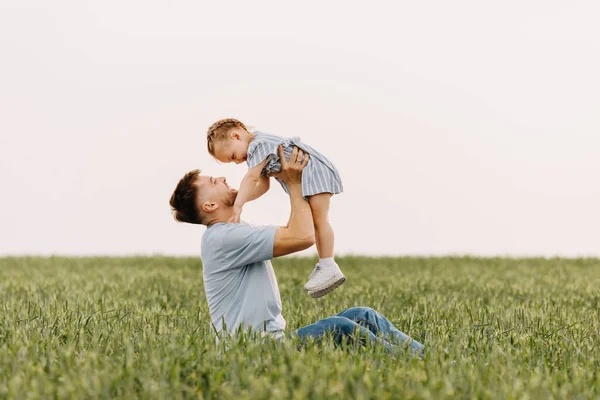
point(240, 284)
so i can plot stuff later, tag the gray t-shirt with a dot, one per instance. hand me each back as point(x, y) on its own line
point(240, 284)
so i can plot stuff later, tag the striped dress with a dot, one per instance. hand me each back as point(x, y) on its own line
point(319, 175)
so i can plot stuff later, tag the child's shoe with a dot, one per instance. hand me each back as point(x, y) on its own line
point(324, 280)
point(307, 284)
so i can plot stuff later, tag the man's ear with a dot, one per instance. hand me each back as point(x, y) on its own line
point(209, 207)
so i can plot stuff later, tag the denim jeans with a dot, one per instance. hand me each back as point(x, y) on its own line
point(364, 322)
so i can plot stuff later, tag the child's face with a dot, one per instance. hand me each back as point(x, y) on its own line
point(233, 149)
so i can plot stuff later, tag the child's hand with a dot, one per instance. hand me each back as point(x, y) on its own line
point(237, 212)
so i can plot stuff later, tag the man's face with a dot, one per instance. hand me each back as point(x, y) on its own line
point(215, 190)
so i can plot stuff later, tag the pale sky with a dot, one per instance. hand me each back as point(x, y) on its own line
point(463, 127)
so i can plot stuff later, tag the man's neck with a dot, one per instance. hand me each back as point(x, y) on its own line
point(223, 216)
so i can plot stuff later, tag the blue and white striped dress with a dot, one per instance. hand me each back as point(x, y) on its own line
point(319, 175)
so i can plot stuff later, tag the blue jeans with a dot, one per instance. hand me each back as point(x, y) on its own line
point(363, 322)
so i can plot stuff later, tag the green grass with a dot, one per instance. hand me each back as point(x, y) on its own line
point(139, 327)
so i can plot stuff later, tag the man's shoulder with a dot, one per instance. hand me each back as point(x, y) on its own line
point(217, 232)
point(223, 230)
point(237, 244)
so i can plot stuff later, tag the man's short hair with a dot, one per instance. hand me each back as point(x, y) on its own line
point(183, 200)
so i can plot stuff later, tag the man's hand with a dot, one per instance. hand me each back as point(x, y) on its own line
point(291, 170)
point(237, 212)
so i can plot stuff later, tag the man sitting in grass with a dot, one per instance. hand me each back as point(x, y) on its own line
point(239, 280)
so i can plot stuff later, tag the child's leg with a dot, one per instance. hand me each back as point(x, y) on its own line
point(324, 235)
point(327, 275)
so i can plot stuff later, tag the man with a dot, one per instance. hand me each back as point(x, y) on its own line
point(240, 284)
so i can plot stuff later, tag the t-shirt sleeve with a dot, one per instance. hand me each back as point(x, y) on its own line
point(247, 244)
point(260, 149)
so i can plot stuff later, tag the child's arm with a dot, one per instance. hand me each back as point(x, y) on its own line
point(248, 190)
point(262, 187)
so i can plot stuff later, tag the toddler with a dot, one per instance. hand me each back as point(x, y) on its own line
point(228, 141)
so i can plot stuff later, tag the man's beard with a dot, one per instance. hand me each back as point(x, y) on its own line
point(230, 200)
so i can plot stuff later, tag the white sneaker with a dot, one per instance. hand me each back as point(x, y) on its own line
point(324, 280)
point(307, 284)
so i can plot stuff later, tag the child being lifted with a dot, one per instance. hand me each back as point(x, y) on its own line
point(229, 141)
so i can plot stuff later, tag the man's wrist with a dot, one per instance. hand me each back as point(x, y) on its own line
point(295, 190)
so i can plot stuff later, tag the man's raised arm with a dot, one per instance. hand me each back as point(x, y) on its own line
point(299, 234)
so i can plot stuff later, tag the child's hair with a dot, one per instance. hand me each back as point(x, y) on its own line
point(218, 131)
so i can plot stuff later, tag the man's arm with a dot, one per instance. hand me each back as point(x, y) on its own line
point(299, 234)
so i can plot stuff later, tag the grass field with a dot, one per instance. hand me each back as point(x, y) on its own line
point(139, 327)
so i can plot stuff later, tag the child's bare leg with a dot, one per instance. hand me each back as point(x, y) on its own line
point(324, 235)
point(327, 276)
